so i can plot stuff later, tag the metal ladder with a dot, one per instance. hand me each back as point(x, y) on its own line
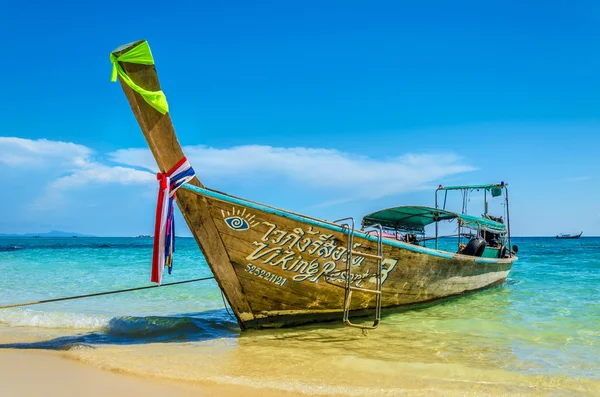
point(349, 288)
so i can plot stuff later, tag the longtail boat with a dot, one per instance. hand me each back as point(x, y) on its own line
point(279, 268)
point(568, 236)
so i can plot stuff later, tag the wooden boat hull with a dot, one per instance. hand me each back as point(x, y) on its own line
point(292, 268)
point(278, 268)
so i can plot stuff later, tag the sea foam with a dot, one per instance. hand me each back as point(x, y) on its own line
point(34, 318)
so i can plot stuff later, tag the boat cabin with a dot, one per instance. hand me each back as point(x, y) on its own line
point(485, 236)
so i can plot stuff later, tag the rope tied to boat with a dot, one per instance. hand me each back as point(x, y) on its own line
point(142, 55)
point(164, 227)
point(103, 293)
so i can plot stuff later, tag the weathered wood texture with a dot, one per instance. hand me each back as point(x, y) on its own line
point(160, 135)
point(269, 249)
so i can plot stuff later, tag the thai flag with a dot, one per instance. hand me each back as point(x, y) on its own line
point(164, 228)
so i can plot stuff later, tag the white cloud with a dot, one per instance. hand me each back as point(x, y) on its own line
point(33, 153)
point(325, 169)
point(137, 158)
point(71, 165)
point(343, 176)
point(74, 160)
point(98, 173)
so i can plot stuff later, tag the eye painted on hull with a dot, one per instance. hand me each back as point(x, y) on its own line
point(237, 223)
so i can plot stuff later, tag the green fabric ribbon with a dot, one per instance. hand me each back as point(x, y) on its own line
point(139, 54)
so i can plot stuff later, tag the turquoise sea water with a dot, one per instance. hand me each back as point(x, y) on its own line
point(539, 333)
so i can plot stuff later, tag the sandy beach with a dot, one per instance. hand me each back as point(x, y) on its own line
point(25, 373)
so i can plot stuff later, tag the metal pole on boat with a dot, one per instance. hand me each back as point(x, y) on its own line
point(485, 205)
point(436, 223)
point(508, 220)
point(458, 245)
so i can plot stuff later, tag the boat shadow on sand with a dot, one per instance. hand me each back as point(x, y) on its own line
point(127, 330)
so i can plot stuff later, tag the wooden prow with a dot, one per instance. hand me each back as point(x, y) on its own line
point(160, 135)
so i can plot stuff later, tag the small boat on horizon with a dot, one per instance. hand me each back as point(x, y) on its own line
point(279, 268)
point(568, 236)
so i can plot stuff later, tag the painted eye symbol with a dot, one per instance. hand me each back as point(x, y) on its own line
point(237, 223)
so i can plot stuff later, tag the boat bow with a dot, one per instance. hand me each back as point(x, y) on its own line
point(158, 130)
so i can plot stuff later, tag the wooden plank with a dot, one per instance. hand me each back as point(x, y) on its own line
point(160, 135)
point(370, 256)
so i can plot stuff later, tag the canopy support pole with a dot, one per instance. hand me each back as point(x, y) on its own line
point(437, 222)
point(508, 221)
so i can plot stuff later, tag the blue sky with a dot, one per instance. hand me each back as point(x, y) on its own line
point(331, 109)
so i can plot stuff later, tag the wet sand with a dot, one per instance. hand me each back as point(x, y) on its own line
point(28, 373)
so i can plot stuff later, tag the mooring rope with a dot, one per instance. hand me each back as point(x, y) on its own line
point(103, 293)
point(225, 304)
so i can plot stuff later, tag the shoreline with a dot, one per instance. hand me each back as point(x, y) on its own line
point(53, 373)
point(92, 372)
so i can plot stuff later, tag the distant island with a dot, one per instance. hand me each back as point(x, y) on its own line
point(53, 233)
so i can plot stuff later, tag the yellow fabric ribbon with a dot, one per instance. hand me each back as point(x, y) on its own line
point(139, 54)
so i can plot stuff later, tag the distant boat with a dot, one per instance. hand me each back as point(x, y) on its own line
point(565, 236)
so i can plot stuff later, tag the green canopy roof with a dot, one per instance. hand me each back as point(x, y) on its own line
point(408, 218)
point(475, 222)
point(491, 186)
point(415, 218)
